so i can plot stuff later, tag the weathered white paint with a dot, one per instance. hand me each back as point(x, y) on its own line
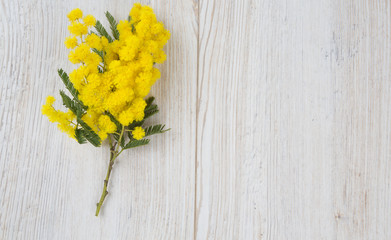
point(280, 117)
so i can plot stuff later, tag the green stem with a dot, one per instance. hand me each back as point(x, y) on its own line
point(120, 138)
point(113, 155)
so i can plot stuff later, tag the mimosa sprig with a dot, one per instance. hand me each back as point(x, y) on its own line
point(109, 86)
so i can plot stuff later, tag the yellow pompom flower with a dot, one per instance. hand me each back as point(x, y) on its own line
point(89, 20)
point(71, 42)
point(79, 54)
point(106, 125)
point(104, 41)
point(94, 41)
point(50, 100)
point(78, 29)
point(73, 58)
point(64, 119)
point(77, 77)
point(75, 14)
point(138, 133)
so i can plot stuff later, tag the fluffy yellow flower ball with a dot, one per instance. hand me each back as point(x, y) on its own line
point(71, 42)
point(138, 133)
point(89, 20)
point(106, 125)
point(75, 14)
point(64, 119)
point(94, 41)
point(78, 29)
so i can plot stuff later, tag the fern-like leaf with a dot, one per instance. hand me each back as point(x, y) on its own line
point(102, 31)
point(69, 85)
point(72, 105)
point(151, 110)
point(67, 102)
point(136, 143)
point(89, 134)
point(80, 136)
point(149, 101)
point(113, 25)
point(151, 130)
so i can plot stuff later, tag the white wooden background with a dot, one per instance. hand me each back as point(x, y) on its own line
point(281, 126)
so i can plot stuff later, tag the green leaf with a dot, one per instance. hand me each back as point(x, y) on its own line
point(89, 134)
point(113, 25)
point(92, 138)
point(80, 136)
point(102, 31)
point(151, 130)
point(149, 101)
point(69, 85)
point(67, 101)
point(136, 143)
point(72, 105)
point(151, 110)
point(122, 143)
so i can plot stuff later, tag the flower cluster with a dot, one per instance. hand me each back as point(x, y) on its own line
point(114, 75)
point(108, 88)
point(64, 119)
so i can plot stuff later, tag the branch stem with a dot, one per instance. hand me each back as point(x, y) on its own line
point(113, 155)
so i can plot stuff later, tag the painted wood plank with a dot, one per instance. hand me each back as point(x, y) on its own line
point(230, 169)
point(49, 184)
point(293, 120)
point(362, 117)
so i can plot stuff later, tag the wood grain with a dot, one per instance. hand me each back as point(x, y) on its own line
point(50, 192)
point(293, 120)
point(280, 117)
